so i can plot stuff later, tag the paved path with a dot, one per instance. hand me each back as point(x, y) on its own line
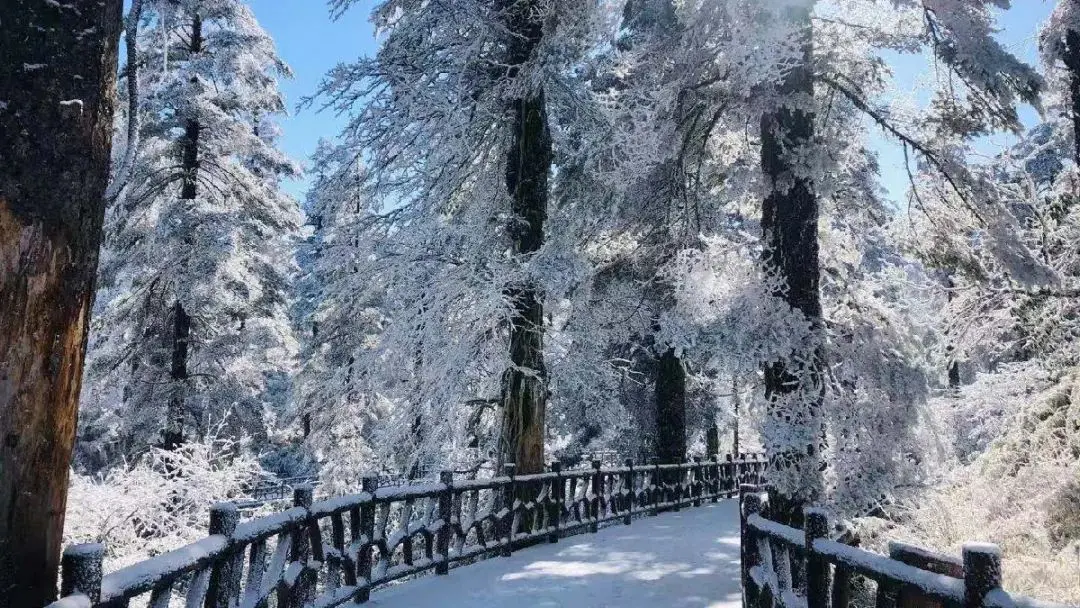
point(687, 559)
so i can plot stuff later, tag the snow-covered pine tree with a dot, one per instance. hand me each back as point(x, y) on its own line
point(984, 87)
point(647, 182)
point(341, 322)
point(192, 325)
point(998, 314)
point(451, 117)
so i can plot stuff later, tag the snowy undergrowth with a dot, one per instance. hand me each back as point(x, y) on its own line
point(158, 503)
point(1022, 491)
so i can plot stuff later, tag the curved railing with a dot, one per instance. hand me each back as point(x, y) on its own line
point(788, 567)
point(335, 551)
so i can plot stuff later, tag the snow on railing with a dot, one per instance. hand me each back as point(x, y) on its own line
point(335, 551)
point(789, 567)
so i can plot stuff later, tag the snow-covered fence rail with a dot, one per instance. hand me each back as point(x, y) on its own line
point(280, 489)
point(334, 551)
point(792, 568)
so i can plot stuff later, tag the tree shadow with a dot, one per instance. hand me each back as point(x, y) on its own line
point(685, 559)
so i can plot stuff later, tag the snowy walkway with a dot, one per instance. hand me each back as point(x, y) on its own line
point(687, 559)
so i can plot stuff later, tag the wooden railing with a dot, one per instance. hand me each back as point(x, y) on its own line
point(791, 568)
point(334, 551)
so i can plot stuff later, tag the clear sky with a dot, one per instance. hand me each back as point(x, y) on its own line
point(312, 44)
point(1019, 29)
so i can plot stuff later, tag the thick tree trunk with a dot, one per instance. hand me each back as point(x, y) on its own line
point(181, 320)
point(57, 77)
point(670, 408)
point(789, 220)
point(528, 162)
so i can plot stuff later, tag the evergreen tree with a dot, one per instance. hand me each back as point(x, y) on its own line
point(193, 325)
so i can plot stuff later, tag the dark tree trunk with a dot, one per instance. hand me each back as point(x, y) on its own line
point(181, 336)
point(954, 375)
point(1071, 59)
point(954, 365)
point(528, 162)
point(712, 440)
point(670, 408)
point(57, 77)
point(736, 407)
point(178, 374)
point(789, 224)
point(655, 22)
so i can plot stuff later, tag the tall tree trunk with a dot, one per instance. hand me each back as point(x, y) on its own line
point(178, 372)
point(655, 22)
point(670, 408)
point(789, 220)
point(1071, 59)
point(57, 79)
point(528, 162)
point(736, 410)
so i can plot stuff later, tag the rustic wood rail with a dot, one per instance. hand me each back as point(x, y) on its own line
point(334, 551)
point(791, 568)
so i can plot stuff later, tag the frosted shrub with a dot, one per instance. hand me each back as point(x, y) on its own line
point(1022, 492)
point(160, 502)
point(1063, 515)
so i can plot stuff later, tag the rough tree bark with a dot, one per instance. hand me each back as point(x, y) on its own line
point(181, 319)
point(789, 220)
point(528, 162)
point(58, 64)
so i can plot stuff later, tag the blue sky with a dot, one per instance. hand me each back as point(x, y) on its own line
point(1019, 28)
point(312, 44)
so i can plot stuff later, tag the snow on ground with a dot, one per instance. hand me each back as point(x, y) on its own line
point(687, 559)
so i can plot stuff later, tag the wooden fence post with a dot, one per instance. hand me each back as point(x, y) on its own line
point(714, 464)
point(507, 522)
point(81, 571)
point(678, 476)
point(697, 483)
point(224, 587)
point(730, 486)
point(628, 485)
point(558, 501)
point(750, 504)
point(658, 488)
point(442, 538)
point(817, 568)
point(597, 491)
point(982, 572)
point(302, 547)
point(369, 485)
